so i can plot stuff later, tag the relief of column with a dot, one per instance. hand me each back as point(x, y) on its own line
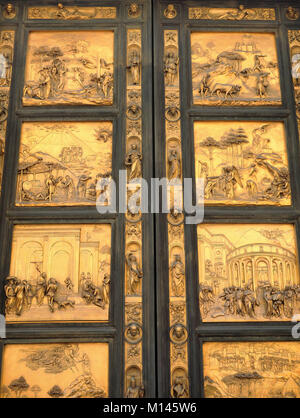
point(179, 383)
point(6, 60)
point(133, 384)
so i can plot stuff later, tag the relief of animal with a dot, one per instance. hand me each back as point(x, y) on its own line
point(225, 90)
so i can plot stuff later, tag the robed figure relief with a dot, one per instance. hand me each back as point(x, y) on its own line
point(174, 171)
point(69, 68)
point(133, 66)
point(134, 162)
point(177, 275)
point(134, 274)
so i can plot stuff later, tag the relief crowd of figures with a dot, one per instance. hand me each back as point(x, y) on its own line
point(21, 293)
point(63, 187)
point(244, 301)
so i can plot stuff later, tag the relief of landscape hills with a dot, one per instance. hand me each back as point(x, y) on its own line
point(241, 75)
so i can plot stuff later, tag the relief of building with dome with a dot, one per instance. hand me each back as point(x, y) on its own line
point(248, 272)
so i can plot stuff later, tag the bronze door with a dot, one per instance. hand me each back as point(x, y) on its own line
point(147, 304)
point(75, 110)
point(226, 93)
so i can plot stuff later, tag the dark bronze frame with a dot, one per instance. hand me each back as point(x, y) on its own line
point(200, 332)
point(111, 331)
point(156, 311)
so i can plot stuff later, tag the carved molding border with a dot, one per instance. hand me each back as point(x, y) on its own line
point(179, 384)
point(133, 283)
point(294, 42)
point(7, 53)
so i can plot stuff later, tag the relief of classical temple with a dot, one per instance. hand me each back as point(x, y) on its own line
point(253, 262)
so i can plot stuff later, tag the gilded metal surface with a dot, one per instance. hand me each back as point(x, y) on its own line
point(251, 370)
point(294, 41)
point(243, 162)
point(170, 11)
point(69, 68)
point(9, 11)
point(292, 13)
point(61, 12)
point(234, 68)
point(134, 10)
point(60, 163)
point(55, 370)
point(248, 272)
point(239, 13)
point(6, 60)
point(133, 283)
point(59, 273)
point(179, 384)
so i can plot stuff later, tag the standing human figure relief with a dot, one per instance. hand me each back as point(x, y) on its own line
point(135, 274)
point(133, 162)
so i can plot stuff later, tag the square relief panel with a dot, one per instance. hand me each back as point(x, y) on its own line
point(251, 370)
point(235, 68)
point(242, 163)
point(69, 68)
point(248, 272)
point(73, 370)
point(59, 273)
point(60, 163)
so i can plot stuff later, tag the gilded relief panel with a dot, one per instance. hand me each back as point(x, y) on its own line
point(69, 68)
point(133, 162)
point(234, 68)
point(61, 12)
point(294, 40)
point(243, 162)
point(251, 370)
point(59, 273)
point(179, 380)
point(55, 370)
point(6, 60)
point(60, 163)
point(235, 14)
point(248, 272)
